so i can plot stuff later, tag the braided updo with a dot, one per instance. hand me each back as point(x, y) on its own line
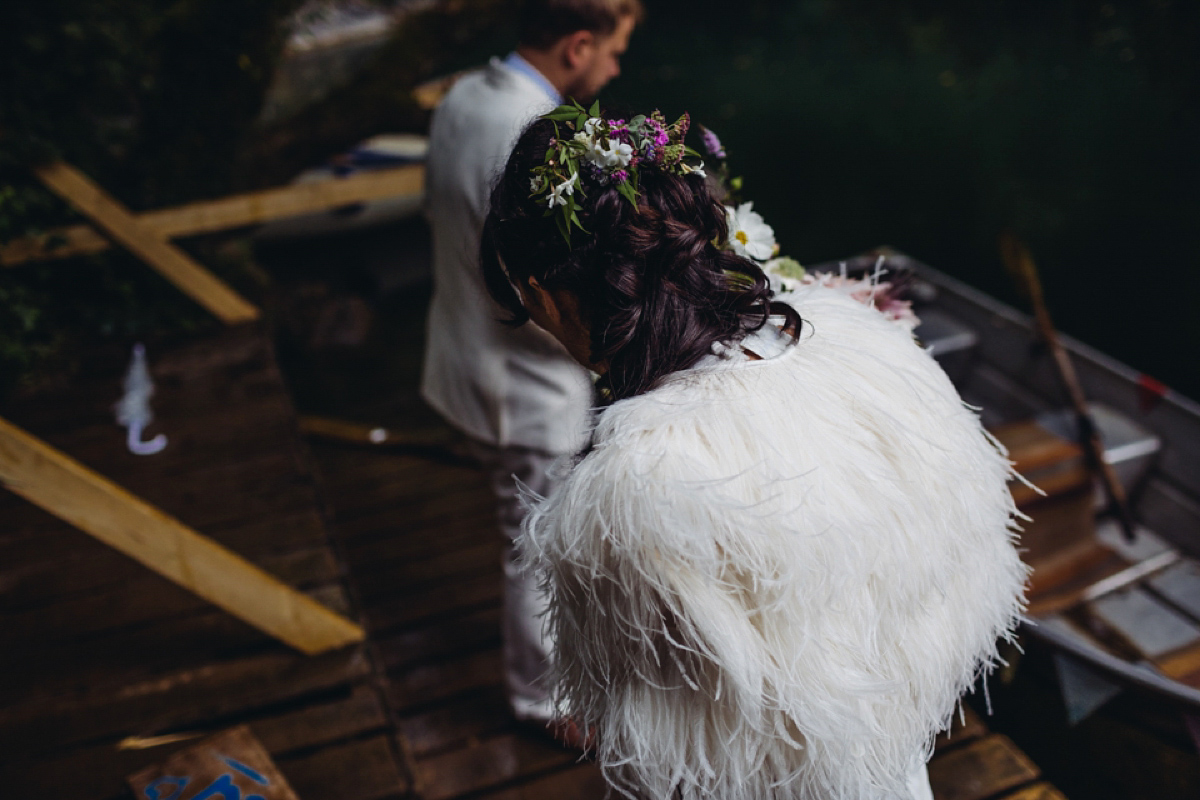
point(654, 290)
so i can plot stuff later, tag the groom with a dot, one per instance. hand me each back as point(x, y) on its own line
point(516, 393)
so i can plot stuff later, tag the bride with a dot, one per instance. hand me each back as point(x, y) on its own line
point(790, 547)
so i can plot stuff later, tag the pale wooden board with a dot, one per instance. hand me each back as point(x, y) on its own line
point(76, 494)
point(235, 211)
point(174, 265)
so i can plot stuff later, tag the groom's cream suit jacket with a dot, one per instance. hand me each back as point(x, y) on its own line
point(503, 386)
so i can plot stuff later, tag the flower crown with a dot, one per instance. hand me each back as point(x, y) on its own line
point(606, 151)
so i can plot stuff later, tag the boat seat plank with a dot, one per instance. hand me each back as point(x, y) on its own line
point(1151, 628)
point(980, 769)
point(965, 728)
point(1180, 586)
point(1039, 791)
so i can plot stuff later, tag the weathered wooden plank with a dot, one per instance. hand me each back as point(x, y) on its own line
point(439, 600)
point(146, 597)
point(471, 716)
point(487, 764)
point(1180, 585)
point(434, 682)
point(375, 436)
point(980, 769)
point(392, 576)
point(447, 637)
point(475, 514)
point(171, 262)
point(582, 782)
point(1151, 628)
point(363, 770)
point(49, 666)
point(426, 494)
point(85, 499)
point(57, 562)
point(235, 211)
point(318, 724)
point(99, 770)
point(173, 700)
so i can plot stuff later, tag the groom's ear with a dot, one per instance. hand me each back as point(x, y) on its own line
point(577, 49)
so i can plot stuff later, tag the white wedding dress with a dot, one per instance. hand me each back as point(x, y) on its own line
point(775, 578)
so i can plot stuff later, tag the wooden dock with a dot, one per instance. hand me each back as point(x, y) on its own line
point(111, 668)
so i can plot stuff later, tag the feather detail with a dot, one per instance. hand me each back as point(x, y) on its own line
point(775, 579)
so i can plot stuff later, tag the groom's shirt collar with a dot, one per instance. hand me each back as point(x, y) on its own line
point(516, 62)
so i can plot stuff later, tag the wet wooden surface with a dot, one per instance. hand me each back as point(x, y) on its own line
point(110, 668)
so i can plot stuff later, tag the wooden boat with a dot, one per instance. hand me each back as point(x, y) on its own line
point(1127, 611)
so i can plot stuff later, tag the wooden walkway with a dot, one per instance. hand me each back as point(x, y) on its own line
point(100, 655)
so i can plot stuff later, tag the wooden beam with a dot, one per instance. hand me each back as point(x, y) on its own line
point(235, 211)
point(171, 262)
point(87, 500)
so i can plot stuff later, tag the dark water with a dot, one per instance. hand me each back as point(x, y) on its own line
point(931, 127)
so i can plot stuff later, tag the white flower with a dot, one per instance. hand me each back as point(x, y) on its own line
point(690, 170)
point(587, 137)
point(749, 235)
point(616, 156)
point(533, 184)
point(567, 187)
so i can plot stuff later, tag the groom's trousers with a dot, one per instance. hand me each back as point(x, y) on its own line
point(527, 645)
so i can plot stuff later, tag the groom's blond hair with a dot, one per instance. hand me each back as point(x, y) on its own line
point(544, 22)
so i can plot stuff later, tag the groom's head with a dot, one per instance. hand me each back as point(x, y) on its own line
point(578, 44)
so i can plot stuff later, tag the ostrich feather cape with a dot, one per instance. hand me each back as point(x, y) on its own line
point(775, 579)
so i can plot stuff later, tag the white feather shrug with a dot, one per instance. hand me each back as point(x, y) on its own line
point(774, 579)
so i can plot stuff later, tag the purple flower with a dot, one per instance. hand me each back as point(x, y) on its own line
point(711, 143)
point(620, 176)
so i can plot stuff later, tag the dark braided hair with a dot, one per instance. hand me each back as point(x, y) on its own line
point(653, 288)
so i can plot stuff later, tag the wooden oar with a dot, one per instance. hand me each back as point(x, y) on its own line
point(1020, 263)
